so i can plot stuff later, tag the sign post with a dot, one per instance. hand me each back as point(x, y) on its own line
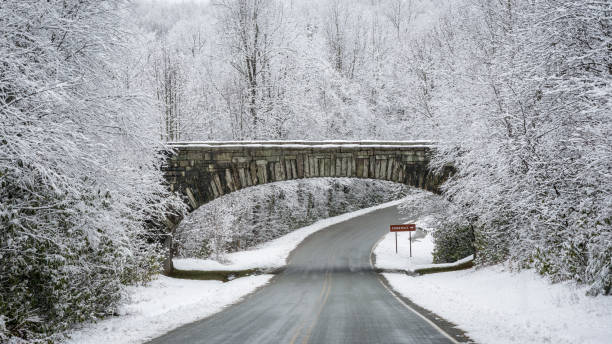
point(408, 227)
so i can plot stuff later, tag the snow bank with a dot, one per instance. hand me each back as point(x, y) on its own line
point(166, 303)
point(494, 305)
point(422, 248)
point(497, 306)
point(273, 254)
point(387, 259)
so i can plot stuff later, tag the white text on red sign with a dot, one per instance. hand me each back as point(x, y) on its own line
point(409, 227)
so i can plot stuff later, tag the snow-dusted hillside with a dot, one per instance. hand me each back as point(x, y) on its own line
point(255, 215)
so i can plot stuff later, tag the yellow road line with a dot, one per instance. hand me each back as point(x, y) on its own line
point(328, 279)
point(318, 313)
point(297, 333)
point(321, 296)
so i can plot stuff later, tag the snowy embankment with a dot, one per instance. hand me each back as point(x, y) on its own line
point(422, 247)
point(167, 303)
point(273, 254)
point(164, 304)
point(497, 306)
point(494, 305)
point(387, 259)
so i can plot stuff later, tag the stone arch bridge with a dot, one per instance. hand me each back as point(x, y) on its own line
point(203, 171)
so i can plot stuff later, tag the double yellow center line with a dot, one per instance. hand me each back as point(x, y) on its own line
point(323, 296)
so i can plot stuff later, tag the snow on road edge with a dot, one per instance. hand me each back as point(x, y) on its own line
point(386, 258)
point(272, 254)
point(501, 307)
point(497, 306)
point(494, 305)
point(166, 303)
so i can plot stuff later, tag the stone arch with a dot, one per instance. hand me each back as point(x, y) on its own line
point(203, 171)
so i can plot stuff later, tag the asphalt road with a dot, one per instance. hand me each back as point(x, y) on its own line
point(328, 294)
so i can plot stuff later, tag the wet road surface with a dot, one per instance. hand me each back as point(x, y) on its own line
point(328, 294)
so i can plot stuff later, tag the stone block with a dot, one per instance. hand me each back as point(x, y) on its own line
point(252, 172)
point(289, 173)
point(227, 156)
point(389, 169)
point(213, 187)
point(240, 159)
point(278, 172)
point(306, 166)
point(294, 169)
point(217, 181)
point(229, 180)
point(192, 200)
point(194, 155)
point(300, 166)
point(242, 177)
point(395, 173)
point(314, 168)
point(408, 158)
point(262, 173)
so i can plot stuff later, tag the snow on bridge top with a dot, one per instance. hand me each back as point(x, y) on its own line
point(296, 144)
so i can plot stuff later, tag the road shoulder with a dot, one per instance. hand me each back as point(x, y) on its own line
point(448, 328)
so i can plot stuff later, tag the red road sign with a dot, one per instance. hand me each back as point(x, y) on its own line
point(409, 227)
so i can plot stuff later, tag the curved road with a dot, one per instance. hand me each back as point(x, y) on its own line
point(328, 294)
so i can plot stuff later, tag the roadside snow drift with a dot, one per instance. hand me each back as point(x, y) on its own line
point(494, 305)
point(163, 305)
point(387, 259)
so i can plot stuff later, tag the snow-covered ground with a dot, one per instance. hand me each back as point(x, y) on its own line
point(387, 259)
point(497, 306)
point(273, 254)
point(422, 258)
point(163, 305)
point(494, 305)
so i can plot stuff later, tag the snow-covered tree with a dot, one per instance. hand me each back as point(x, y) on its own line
point(80, 178)
point(521, 96)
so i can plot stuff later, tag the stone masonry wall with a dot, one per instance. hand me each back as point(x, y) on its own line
point(205, 171)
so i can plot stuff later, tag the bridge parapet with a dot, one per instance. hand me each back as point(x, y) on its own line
point(204, 171)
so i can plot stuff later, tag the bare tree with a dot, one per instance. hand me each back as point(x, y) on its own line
point(253, 33)
point(400, 13)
